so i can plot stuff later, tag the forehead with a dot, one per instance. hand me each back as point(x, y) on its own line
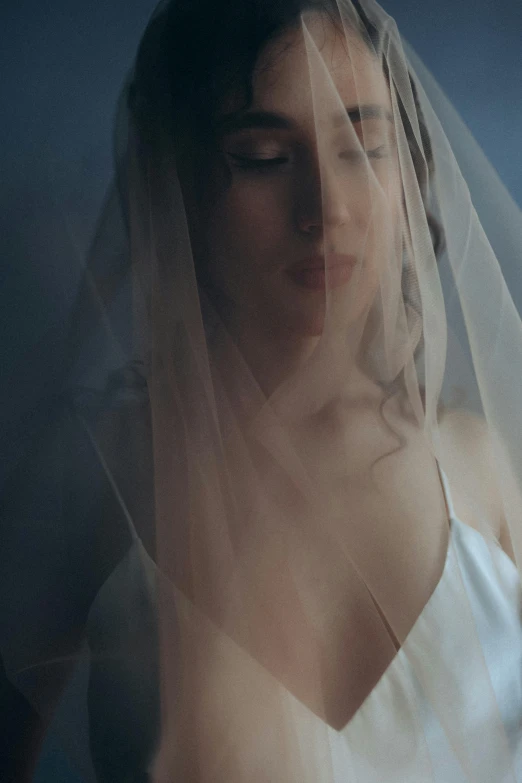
point(317, 68)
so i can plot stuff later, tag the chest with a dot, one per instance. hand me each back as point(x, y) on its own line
point(347, 573)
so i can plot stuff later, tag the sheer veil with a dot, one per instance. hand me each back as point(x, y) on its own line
point(290, 402)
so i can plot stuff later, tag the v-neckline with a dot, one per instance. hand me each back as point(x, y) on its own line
point(396, 660)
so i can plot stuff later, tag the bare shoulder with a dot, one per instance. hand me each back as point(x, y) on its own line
point(465, 437)
point(468, 459)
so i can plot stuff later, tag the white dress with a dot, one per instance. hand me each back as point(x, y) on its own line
point(441, 684)
point(398, 735)
point(458, 673)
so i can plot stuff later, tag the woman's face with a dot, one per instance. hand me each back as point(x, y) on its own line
point(304, 203)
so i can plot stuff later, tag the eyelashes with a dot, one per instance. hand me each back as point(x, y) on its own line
point(266, 162)
point(257, 161)
point(377, 153)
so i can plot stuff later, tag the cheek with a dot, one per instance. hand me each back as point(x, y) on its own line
point(258, 202)
point(385, 204)
point(379, 236)
point(250, 216)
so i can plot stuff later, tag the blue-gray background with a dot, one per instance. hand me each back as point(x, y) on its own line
point(62, 66)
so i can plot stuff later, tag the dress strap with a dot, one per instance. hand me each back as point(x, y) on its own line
point(447, 492)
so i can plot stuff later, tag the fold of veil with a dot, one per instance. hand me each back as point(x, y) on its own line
point(227, 486)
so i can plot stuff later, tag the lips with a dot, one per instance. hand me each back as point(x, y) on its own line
point(315, 273)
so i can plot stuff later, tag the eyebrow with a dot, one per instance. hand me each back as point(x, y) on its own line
point(265, 120)
point(248, 120)
point(370, 111)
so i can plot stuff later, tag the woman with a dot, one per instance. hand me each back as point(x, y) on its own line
point(269, 570)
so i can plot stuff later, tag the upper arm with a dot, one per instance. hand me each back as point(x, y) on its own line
point(62, 535)
point(64, 510)
point(466, 456)
point(469, 459)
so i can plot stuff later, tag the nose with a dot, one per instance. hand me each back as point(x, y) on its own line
point(321, 202)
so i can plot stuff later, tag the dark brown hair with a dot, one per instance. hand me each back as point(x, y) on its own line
point(194, 53)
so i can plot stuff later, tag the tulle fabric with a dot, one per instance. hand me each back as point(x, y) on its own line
point(230, 492)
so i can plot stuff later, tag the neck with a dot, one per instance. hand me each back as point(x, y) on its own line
point(326, 366)
point(272, 358)
point(314, 372)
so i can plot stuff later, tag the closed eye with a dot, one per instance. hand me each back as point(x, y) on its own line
point(257, 161)
point(357, 155)
point(378, 152)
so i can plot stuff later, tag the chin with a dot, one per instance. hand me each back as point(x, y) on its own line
point(305, 325)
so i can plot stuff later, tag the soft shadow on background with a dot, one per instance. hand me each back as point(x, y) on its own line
point(63, 65)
